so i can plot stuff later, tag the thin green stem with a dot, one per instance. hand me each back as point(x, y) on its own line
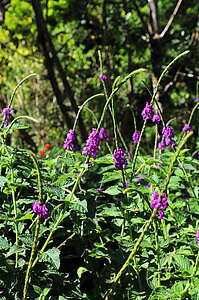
point(39, 180)
point(18, 85)
point(61, 216)
point(127, 262)
point(82, 106)
point(157, 251)
point(16, 223)
point(30, 263)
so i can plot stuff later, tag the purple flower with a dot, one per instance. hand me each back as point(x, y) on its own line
point(197, 99)
point(148, 185)
point(102, 77)
point(92, 144)
point(168, 134)
point(147, 112)
point(36, 207)
point(103, 134)
point(186, 128)
point(136, 136)
point(161, 214)
point(99, 189)
point(156, 119)
point(197, 237)
point(69, 141)
point(120, 160)
point(159, 203)
point(161, 145)
point(139, 179)
point(7, 112)
point(156, 202)
point(41, 210)
point(44, 212)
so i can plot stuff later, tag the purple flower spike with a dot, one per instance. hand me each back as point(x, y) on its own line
point(7, 112)
point(36, 207)
point(41, 210)
point(197, 237)
point(161, 145)
point(159, 203)
point(147, 112)
point(120, 160)
point(136, 136)
point(102, 77)
point(70, 140)
point(168, 132)
point(44, 212)
point(156, 119)
point(102, 134)
point(92, 144)
point(161, 214)
point(186, 128)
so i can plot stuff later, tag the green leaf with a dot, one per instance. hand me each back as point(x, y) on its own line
point(178, 287)
point(80, 206)
point(183, 263)
point(52, 256)
point(112, 190)
point(111, 177)
point(80, 271)
point(109, 210)
point(3, 180)
point(4, 244)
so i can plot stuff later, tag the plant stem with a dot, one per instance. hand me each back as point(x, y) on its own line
point(30, 264)
point(61, 216)
point(127, 262)
point(15, 214)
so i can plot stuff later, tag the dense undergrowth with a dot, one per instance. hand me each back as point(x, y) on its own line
point(106, 221)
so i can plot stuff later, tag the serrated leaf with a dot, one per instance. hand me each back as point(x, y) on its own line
point(52, 256)
point(112, 190)
point(4, 244)
point(110, 210)
point(55, 190)
point(183, 263)
point(80, 206)
point(3, 180)
point(178, 287)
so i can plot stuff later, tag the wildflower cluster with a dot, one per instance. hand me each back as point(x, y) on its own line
point(136, 136)
point(7, 115)
point(70, 140)
point(41, 210)
point(147, 112)
point(159, 203)
point(93, 141)
point(168, 135)
point(120, 159)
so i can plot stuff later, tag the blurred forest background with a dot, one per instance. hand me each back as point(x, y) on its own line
point(59, 41)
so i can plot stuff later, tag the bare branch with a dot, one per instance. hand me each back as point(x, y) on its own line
point(169, 23)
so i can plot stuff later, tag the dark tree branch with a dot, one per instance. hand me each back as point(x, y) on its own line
point(52, 59)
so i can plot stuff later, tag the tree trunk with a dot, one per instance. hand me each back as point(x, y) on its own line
point(52, 61)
